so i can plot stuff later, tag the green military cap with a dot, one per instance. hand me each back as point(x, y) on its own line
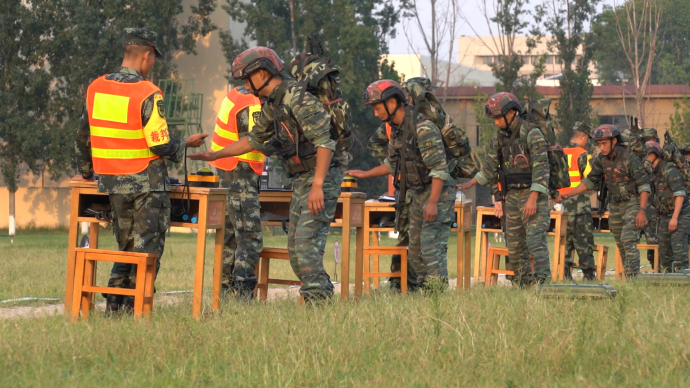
point(140, 37)
point(583, 127)
point(649, 133)
point(685, 149)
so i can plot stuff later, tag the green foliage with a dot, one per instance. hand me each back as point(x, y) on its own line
point(355, 35)
point(24, 83)
point(680, 122)
point(485, 124)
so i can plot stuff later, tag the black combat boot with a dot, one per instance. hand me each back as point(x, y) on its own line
point(589, 274)
point(244, 290)
point(650, 257)
point(568, 271)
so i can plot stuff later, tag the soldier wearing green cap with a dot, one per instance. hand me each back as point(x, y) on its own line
point(123, 136)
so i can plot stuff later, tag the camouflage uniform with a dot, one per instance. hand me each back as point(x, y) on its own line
point(579, 227)
point(524, 236)
point(425, 159)
point(673, 246)
point(378, 147)
point(140, 203)
point(307, 232)
point(623, 191)
point(243, 239)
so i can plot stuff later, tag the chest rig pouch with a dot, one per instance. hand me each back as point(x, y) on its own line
point(664, 201)
point(416, 172)
point(516, 162)
point(616, 175)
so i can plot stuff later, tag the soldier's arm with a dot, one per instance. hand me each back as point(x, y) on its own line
point(378, 144)
point(263, 129)
point(156, 130)
point(675, 181)
point(639, 174)
point(83, 146)
point(433, 153)
point(488, 175)
point(595, 175)
point(540, 161)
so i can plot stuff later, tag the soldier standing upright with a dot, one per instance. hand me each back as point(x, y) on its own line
point(671, 201)
point(628, 186)
point(518, 156)
point(295, 126)
point(123, 137)
point(579, 235)
point(240, 175)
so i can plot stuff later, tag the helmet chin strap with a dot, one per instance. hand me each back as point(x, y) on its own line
point(505, 120)
point(391, 114)
point(256, 91)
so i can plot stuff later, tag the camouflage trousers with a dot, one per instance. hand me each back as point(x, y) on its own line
point(650, 230)
point(428, 249)
point(526, 237)
point(622, 223)
point(308, 232)
point(579, 238)
point(403, 241)
point(243, 239)
point(140, 222)
point(673, 246)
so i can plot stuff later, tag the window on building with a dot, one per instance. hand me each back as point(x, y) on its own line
point(488, 60)
point(621, 121)
point(549, 60)
point(525, 59)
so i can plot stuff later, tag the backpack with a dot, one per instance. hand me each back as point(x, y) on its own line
point(462, 160)
point(673, 154)
point(316, 73)
point(536, 112)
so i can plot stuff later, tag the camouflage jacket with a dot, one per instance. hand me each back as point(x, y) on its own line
point(309, 120)
point(669, 184)
point(580, 204)
point(535, 146)
point(378, 144)
point(429, 154)
point(155, 176)
point(624, 173)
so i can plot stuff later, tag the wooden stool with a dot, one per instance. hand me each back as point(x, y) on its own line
point(600, 265)
point(620, 270)
point(375, 251)
point(493, 259)
point(265, 264)
point(85, 278)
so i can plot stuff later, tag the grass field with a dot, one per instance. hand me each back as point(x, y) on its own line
point(484, 337)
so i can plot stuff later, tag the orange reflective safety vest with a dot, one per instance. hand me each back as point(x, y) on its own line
point(226, 131)
point(573, 154)
point(118, 144)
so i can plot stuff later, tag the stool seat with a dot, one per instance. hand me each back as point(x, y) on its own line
point(85, 278)
point(493, 260)
point(379, 250)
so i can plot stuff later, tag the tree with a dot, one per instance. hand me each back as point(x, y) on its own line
point(507, 20)
point(680, 122)
point(486, 125)
point(24, 82)
point(566, 22)
point(354, 33)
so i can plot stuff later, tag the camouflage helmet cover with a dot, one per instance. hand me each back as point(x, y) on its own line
point(500, 104)
point(604, 132)
point(653, 147)
point(254, 59)
point(650, 133)
point(583, 127)
point(382, 90)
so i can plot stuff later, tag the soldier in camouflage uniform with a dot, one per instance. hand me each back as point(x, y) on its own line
point(240, 175)
point(686, 150)
point(579, 235)
point(670, 199)
point(416, 142)
point(292, 118)
point(518, 155)
point(626, 180)
point(139, 199)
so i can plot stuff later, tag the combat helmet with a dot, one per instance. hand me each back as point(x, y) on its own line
point(653, 147)
point(500, 104)
point(606, 132)
point(650, 133)
point(381, 91)
point(257, 58)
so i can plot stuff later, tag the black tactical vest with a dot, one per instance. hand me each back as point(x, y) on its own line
point(416, 170)
point(515, 159)
point(664, 201)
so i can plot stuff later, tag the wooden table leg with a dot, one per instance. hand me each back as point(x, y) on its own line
point(477, 246)
point(556, 247)
point(359, 261)
point(345, 253)
point(71, 246)
point(217, 268)
point(200, 253)
point(467, 259)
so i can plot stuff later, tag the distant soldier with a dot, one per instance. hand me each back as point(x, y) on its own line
point(243, 242)
point(123, 137)
point(579, 234)
point(671, 201)
point(686, 150)
point(295, 126)
point(628, 186)
point(518, 154)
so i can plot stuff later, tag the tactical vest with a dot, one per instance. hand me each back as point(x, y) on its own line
point(620, 185)
point(118, 145)
point(416, 170)
point(229, 131)
point(515, 160)
point(573, 155)
point(664, 201)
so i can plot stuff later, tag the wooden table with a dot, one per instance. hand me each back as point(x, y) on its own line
point(375, 210)
point(348, 214)
point(485, 216)
point(208, 202)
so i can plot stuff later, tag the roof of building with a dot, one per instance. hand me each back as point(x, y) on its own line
point(669, 91)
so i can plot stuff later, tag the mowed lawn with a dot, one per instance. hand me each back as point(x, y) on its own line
point(498, 336)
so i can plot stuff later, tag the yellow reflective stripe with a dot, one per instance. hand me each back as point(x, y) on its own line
point(121, 154)
point(117, 133)
point(589, 166)
point(110, 107)
point(252, 156)
point(226, 134)
point(215, 147)
point(254, 114)
point(574, 173)
point(225, 108)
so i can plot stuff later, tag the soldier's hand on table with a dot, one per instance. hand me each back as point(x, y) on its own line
point(559, 199)
point(530, 208)
point(430, 212)
point(641, 219)
point(206, 156)
point(357, 173)
point(673, 224)
point(315, 200)
point(195, 140)
point(498, 209)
